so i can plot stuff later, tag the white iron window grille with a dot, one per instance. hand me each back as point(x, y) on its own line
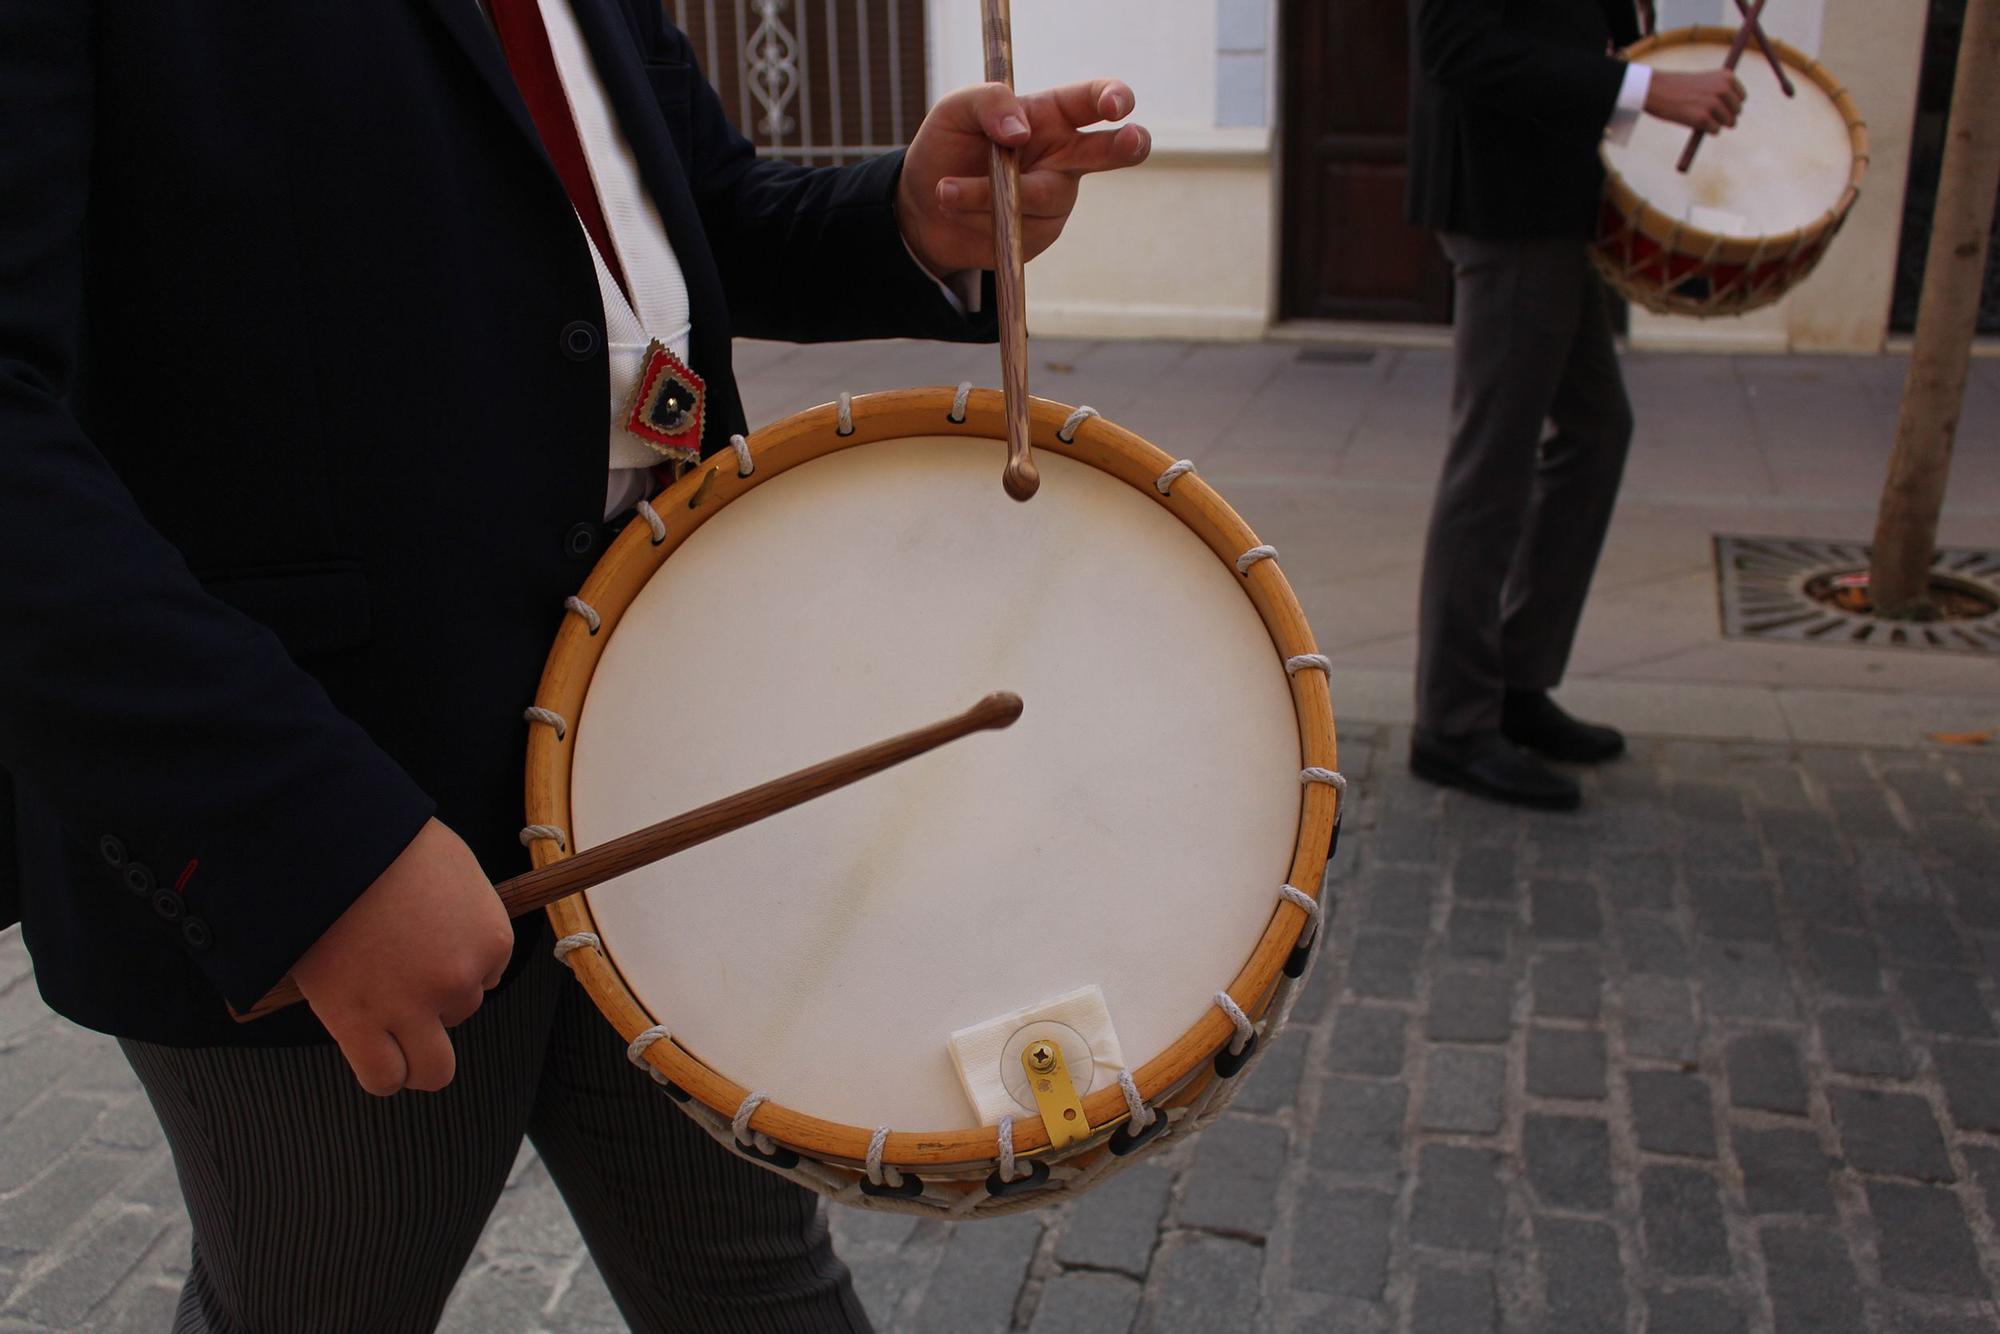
point(814, 81)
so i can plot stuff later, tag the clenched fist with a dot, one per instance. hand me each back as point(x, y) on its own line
point(1705, 100)
point(410, 958)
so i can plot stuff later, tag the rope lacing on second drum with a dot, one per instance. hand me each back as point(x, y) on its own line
point(535, 713)
point(878, 1173)
point(1180, 468)
point(1067, 431)
point(585, 610)
point(1007, 1147)
point(533, 833)
point(1252, 556)
point(958, 401)
point(1245, 1030)
point(577, 940)
point(635, 1051)
point(740, 1124)
point(846, 414)
point(1312, 773)
point(1317, 661)
point(1142, 1115)
point(654, 523)
point(745, 465)
point(1306, 904)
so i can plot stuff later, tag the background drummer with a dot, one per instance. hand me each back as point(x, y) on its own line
point(309, 320)
point(1509, 104)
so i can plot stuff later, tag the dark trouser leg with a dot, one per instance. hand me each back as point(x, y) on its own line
point(687, 1235)
point(1576, 487)
point(319, 1208)
point(1518, 304)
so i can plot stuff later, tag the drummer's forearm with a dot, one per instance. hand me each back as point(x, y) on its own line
point(1631, 103)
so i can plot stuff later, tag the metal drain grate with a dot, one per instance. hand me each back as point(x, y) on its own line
point(1337, 356)
point(1762, 581)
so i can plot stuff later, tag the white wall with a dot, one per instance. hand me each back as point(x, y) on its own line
point(1183, 246)
point(1165, 51)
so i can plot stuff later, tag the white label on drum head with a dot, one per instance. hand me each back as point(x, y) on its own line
point(988, 1055)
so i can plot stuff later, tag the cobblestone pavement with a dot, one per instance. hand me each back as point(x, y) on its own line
point(1717, 1055)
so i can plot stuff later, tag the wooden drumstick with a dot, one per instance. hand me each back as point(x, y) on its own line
point(1010, 283)
point(572, 875)
point(1770, 54)
point(1729, 62)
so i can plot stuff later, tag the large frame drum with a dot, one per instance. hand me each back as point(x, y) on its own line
point(1756, 212)
point(1131, 872)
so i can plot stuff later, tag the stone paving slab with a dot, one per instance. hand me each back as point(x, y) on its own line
point(1608, 1107)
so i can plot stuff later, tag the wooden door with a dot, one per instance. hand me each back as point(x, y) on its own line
point(1347, 253)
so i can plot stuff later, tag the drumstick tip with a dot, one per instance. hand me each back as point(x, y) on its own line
point(998, 710)
point(1022, 479)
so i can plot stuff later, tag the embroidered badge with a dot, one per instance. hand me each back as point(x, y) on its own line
point(665, 409)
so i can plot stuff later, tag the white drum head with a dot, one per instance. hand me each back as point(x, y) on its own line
point(1131, 831)
point(1787, 161)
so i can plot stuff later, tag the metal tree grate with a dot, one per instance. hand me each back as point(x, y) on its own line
point(1763, 581)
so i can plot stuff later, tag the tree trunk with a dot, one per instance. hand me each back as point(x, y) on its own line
point(1954, 273)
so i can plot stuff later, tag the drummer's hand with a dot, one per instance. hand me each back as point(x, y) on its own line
point(1706, 100)
point(414, 955)
point(945, 200)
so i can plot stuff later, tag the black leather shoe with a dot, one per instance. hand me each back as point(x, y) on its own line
point(1530, 718)
point(1487, 764)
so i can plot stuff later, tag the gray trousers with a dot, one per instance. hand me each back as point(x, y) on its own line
point(319, 1208)
point(1520, 514)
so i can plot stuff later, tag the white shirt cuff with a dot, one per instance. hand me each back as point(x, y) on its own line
point(964, 289)
point(1631, 102)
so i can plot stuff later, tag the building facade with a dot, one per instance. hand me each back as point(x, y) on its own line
point(1273, 199)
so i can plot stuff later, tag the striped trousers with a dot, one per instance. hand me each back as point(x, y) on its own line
point(319, 1208)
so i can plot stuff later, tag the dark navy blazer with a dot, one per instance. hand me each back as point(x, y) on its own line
point(302, 412)
point(1508, 102)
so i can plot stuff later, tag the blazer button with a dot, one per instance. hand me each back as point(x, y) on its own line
point(196, 933)
point(581, 540)
point(580, 340)
point(112, 849)
point(139, 879)
point(168, 905)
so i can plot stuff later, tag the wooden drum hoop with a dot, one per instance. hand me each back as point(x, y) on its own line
point(1671, 266)
point(955, 1166)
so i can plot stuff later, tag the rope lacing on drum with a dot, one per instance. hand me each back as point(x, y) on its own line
point(1007, 1147)
point(654, 523)
point(1308, 905)
point(534, 833)
point(745, 465)
point(958, 401)
point(1067, 431)
point(740, 1124)
point(1180, 468)
point(1332, 778)
point(578, 940)
point(548, 718)
point(846, 414)
point(1245, 1030)
point(1142, 1115)
point(635, 1051)
point(1317, 661)
point(1252, 556)
point(878, 1173)
point(585, 610)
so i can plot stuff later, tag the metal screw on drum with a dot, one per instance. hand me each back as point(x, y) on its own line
point(1041, 1059)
